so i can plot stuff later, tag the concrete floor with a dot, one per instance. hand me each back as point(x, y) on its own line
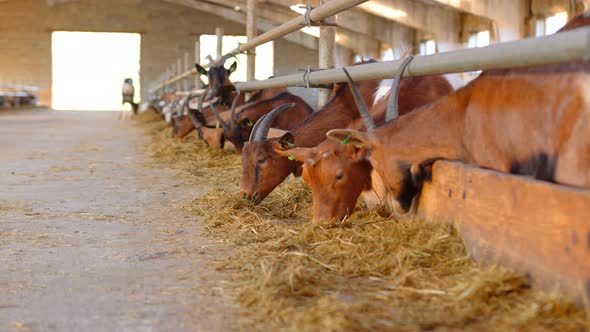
point(90, 236)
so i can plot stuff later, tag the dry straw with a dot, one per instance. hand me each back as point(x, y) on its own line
point(367, 273)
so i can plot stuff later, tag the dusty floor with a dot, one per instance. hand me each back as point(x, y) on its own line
point(90, 239)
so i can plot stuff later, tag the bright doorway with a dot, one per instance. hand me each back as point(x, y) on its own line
point(89, 69)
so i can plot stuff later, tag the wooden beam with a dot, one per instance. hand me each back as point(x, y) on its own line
point(441, 22)
point(537, 228)
point(508, 15)
point(239, 17)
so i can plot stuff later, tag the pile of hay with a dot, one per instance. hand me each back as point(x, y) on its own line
point(189, 155)
point(369, 273)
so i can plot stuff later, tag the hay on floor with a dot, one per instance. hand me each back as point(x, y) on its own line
point(369, 273)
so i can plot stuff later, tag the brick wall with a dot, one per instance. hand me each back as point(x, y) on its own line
point(167, 30)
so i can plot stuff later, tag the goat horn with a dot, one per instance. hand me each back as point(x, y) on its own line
point(233, 109)
point(265, 123)
point(360, 103)
point(392, 104)
point(186, 101)
point(210, 58)
point(192, 115)
point(198, 121)
point(255, 128)
point(223, 123)
point(224, 58)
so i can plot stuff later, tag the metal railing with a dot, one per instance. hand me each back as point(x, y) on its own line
point(566, 46)
point(312, 16)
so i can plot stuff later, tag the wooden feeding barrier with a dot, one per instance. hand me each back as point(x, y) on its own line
point(538, 228)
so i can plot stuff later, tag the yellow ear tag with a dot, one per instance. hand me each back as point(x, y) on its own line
point(249, 124)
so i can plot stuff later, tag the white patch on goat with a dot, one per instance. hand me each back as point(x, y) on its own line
point(455, 80)
point(382, 90)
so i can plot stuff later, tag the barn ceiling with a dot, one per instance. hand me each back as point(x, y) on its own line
point(366, 27)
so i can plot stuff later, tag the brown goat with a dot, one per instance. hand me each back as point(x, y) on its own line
point(239, 128)
point(338, 173)
point(532, 121)
point(184, 124)
point(263, 169)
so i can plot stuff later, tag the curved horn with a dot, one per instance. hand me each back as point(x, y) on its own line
point(210, 58)
point(255, 128)
point(196, 117)
point(360, 103)
point(224, 58)
point(186, 101)
point(233, 109)
point(392, 104)
point(223, 123)
point(265, 123)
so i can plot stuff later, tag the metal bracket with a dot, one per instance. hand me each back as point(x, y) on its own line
point(307, 85)
point(309, 23)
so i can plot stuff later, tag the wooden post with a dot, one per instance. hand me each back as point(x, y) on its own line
point(178, 72)
point(198, 60)
point(219, 33)
point(171, 74)
point(326, 53)
point(186, 68)
point(251, 32)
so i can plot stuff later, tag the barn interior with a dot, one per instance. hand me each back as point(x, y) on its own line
point(108, 222)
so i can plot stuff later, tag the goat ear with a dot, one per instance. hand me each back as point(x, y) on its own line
point(299, 154)
point(232, 68)
point(287, 141)
point(349, 136)
point(355, 153)
point(201, 70)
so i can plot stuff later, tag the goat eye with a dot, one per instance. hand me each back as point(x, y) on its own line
point(339, 177)
point(260, 161)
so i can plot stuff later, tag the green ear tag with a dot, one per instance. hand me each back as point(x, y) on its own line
point(291, 157)
point(217, 125)
point(291, 145)
point(346, 140)
point(249, 123)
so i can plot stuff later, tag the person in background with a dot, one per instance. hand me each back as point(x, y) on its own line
point(129, 93)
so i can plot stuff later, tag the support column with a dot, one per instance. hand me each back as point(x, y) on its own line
point(251, 32)
point(178, 72)
point(186, 68)
point(219, 33)
point(198, 60)
point(326, 54)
